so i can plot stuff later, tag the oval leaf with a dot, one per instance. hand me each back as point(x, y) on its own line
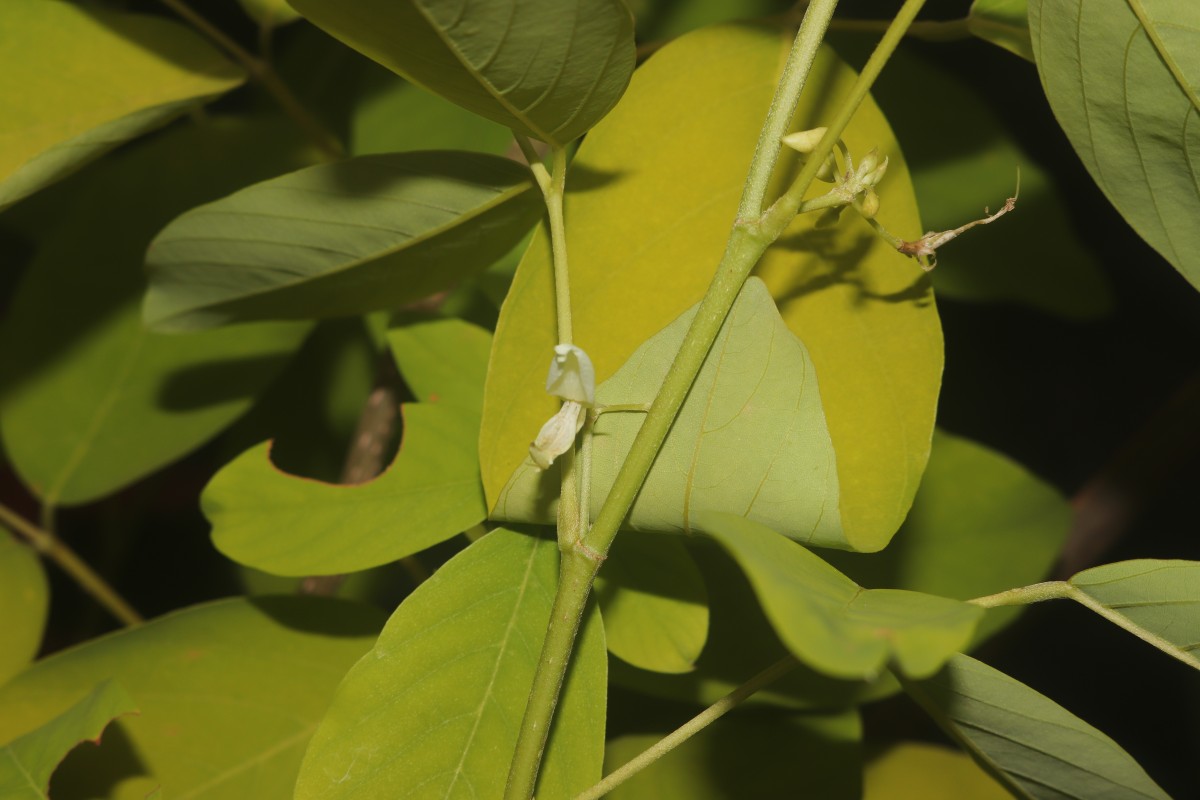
point(919, 771)
point(90, 401)
point(832, 623)
point(229, 694)
point(370, 233)
point(646, 229)
point(548, 68)
point(286, 525)
point(435, 708)
point(1004, 23)
point(77, 81)
point(270, 13)
point(394, 116)
point(24, 604)
point(1036, 748)
point(1123, 79)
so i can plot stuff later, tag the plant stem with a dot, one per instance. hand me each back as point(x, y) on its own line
point(1025, 595)
point(952, 30)
point(558, 243)
point(690, 728)
point(262, 71)
point(57, 551)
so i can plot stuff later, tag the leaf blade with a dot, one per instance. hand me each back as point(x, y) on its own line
point(24, 604)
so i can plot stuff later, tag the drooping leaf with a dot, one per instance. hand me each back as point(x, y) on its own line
point(24, 603)
point(1123, 79)
point(549, 68)
point(1004, 23)
point(832, 623)
point(435, 708)
point(1034, 747)
point(229, 693)
point(286, 525)
point(751, 435)
point(963, 159)
point(27, 762)
point(89, 400)
point(919, 771)
point(394, 116)
point(1159, 596)
point(368, 233)
point(79, 80)
point(654, 602)
point(270, 13)
point(980, 524)
point(646, 229)
point(750, 756)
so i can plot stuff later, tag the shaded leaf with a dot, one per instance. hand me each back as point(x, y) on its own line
point(1004, 23)
point(24, 604)
point(435, 708)
point(1034, 747)
point(1123, 79)
point(654, 603)
point(89, 400)
point(79, 80)
point(286, 525)
point(830, 622)
point(918, 771)
point(270, 13)
point(27, 762)
point(750, 756)
point(646, 230)
point(549, 69)
point(980, 524)
point(229, 694)
point(369, 233)
point(662, 20)
point(394, 116)
point(751, 435)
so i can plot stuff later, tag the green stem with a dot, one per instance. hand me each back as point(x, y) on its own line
point(558, 243)
point(57, 551)
point(262, 71)
point(1024, 595)
point(953, 30)
point(689, 728)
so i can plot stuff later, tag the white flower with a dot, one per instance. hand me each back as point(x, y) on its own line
point(571, 375)
point(557, 436)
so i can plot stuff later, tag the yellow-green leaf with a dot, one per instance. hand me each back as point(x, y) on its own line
point(657, 184)
point(918, 771)
point(76, 81)
point(24, 603)
point(270, 13)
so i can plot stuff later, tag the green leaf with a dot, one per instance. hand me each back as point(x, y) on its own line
point(395, 116)
point(26, 763)
point(751, 435)
point(549, 69)
point(662, 20)
point(1123, 79)
point(270, 13)
point(654, 602)
point(1033, 746)
point(435, 708)
point(647, 228)
point(1159, 597)
point(229, 694)
point(919, 771)
point(89, 400)
point(286, 525)
point(748, 756)
point(77, 81)
point(833, 624)
point(24, 604)
point(369, 233)
point(980, 524)
point(1004, 23)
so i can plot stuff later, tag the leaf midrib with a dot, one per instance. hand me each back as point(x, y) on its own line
point(1161, 48)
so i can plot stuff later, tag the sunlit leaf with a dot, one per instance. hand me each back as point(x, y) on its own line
point(286, 525)
point(369, 233)
point(1123, 78)
point(749, 756)
point(89, 400)
point(1034, 747)
point(833, 624)
point(1004, 23)
point(229, 694)
point(549, 68)
point(646, 228)
point(919, 771)
point(751, 435)
point(79, 80)
point(654, 603)
point(270, 13)
point(27, 762)
point(24, 603)
point(434, 709)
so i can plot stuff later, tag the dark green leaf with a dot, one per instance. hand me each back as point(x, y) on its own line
point(1004, 23)
point(394, 116)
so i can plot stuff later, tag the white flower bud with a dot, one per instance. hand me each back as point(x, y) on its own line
point(571, 375)
point(868, 164)
point(804, 141)
point(869, 205)
point(876, 175)
point(557, 436)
